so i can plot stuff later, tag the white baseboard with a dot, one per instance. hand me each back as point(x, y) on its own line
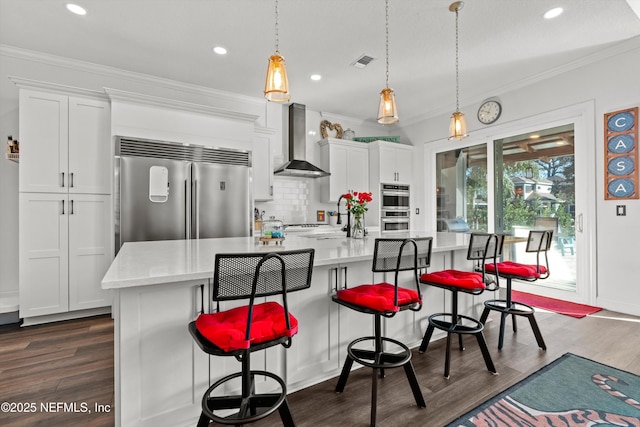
point(38, 320)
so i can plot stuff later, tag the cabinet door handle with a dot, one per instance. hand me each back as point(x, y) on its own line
point(63, 179)
point(201, 299)
point(71, 207)
point(334, 285)
point(62, 207)
point(71, 180)
point(344, 284)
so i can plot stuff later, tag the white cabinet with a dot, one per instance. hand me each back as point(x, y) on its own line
point(262, 165)
point(313, 356)
point(348, 163)
point(390, 163)
point(65, 207)
point(325, 327)
point(64, 144)
point(65, 250)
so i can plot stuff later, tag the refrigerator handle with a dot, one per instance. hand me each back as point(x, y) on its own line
point(187, 211)
point(196, 204)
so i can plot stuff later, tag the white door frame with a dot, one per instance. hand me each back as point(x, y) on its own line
point(582, 116)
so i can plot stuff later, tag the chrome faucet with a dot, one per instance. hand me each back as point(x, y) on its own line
point(347, 228)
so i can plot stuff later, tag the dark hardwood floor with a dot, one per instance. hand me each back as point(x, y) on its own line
point(73, 362)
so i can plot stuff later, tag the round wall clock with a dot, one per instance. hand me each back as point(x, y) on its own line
point(489, 112)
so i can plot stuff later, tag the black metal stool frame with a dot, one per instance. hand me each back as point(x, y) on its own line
point(451, 323)
point(276, 273)
point(378, 359)
point(539, 241)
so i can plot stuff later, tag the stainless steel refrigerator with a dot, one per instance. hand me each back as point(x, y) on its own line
point(168, 191)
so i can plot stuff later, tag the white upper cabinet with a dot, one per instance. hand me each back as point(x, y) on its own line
point(89, 146)
point(348, 163)
point(64, 144)
point(262, 165)
point(394, 162)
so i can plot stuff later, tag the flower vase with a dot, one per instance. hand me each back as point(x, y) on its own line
point(357, 230)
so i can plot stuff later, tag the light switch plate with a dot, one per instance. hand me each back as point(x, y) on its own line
point(621, 210)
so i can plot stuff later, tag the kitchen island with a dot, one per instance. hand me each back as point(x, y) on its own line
point(159, 287)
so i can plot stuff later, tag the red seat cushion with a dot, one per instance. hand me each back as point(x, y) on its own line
point(455, 278)
point(379, 296)
point(510, 268)
point(227, 329)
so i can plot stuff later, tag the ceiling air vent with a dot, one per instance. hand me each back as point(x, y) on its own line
point(363, 61)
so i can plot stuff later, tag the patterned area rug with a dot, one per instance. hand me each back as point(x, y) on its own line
point(570, 391)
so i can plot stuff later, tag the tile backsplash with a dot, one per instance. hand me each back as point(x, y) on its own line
point(291, 199)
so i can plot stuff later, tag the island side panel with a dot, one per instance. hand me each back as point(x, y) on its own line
point(162, 372)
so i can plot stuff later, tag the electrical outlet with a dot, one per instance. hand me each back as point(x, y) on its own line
point(621, 210)
point(417, 211)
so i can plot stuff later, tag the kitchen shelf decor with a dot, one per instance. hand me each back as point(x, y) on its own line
point(377, 138)
point(14, 157)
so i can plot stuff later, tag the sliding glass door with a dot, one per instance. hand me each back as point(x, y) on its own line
point(536, 190)
point(535, 175)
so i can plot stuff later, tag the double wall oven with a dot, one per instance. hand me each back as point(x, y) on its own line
point(394, 208)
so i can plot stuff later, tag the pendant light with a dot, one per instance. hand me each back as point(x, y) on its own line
point(387, 110)
point(276, 87)
point(458, 125)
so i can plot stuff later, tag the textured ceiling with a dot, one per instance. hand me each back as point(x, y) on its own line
point(503, 44)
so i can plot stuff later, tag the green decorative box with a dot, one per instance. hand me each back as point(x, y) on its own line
point(377, 138)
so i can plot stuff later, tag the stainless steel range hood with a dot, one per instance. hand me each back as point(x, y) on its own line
point(297, 165)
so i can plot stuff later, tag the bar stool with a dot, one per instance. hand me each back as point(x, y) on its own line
point(240, 331)
point(539, 242)
point(385, 300)
point(482, 246)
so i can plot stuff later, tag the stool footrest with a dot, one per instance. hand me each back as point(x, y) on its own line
point(513, 309)
point(379, 359)
point(250, 408)
point(439, 320)
point(517, 308)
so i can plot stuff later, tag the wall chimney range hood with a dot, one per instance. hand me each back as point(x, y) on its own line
point(297, 166)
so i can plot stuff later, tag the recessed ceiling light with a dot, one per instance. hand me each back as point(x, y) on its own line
point(550, 14)
point(220, 50)
point(76, 9)
point(315, 77)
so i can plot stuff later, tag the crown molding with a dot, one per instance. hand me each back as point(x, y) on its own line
point(138, 98)
point(89, 67)
point(602, 54)
point(336, 118)
point(264, 130)
point(57, 88)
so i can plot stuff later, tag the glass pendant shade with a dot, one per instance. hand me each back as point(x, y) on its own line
point(387, 110)
point(276, 87)
point(458, 126)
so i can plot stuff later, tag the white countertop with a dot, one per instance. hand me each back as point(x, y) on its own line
point(167, 261)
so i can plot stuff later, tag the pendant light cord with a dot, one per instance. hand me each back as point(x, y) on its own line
point(386, 7)
point(277, 33)
point(457, 78)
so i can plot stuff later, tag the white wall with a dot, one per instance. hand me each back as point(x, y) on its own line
point(611, 84)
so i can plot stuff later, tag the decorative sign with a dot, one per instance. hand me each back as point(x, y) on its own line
point(621, 154)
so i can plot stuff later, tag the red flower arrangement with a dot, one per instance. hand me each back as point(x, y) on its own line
point(357, 202)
